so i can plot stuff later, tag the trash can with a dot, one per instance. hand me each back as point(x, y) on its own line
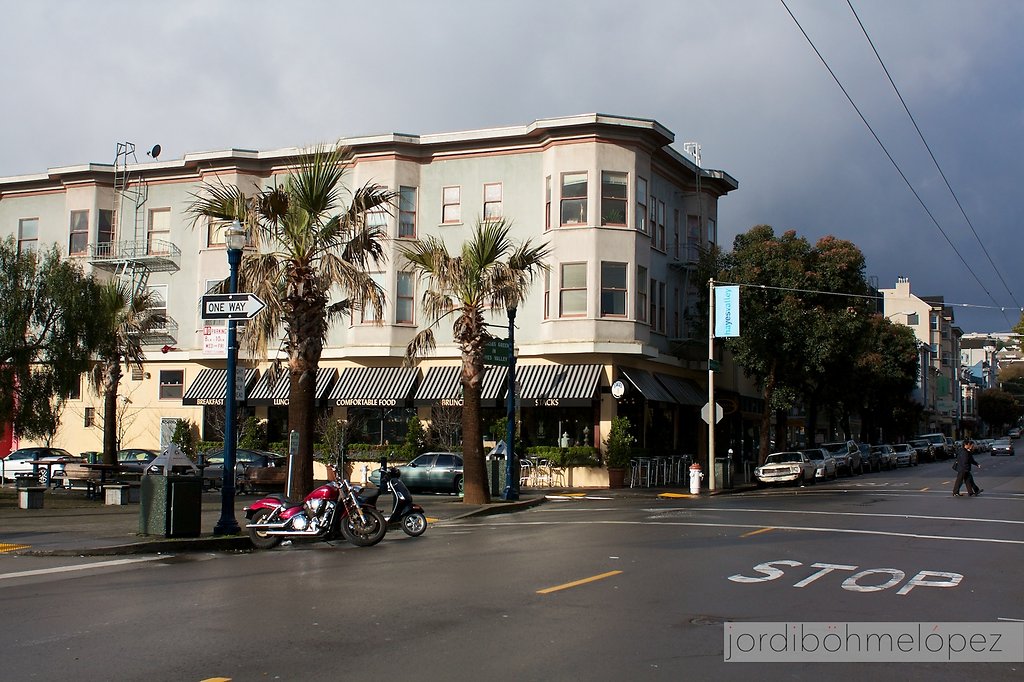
point(723, 472)
point(496, 476)
point(171, 506)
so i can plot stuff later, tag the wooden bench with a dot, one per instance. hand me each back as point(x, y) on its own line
point(260, 479)
point(76, 475)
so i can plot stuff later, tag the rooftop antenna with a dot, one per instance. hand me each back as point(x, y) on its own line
point(693, 149)
point(155, 152)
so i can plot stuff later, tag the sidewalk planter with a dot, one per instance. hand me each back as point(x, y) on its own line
point(31, 497)
point(616, 477)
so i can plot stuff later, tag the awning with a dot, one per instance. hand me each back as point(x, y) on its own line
point(443, 386)
point(211, 387)
point(263, 393)
point(374, 387)
point(684, 391)
point(558, 385)
point(647, 385)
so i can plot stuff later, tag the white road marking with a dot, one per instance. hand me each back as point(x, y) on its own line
point(1012, 620)
point(832, 513)
point(78, 567)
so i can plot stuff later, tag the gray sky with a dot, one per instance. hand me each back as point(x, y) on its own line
point(737, 76)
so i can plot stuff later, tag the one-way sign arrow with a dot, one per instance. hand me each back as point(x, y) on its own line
point(241, 306)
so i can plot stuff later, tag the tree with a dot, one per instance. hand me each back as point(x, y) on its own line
point(491, 271)
point(998, 408)
point(885, 372)
point(313, 247)
point(126, 313)
point(48, 333)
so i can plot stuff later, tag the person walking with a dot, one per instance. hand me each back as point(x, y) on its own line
point(964, 461)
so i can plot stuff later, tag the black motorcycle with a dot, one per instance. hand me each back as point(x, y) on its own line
point(404, 512)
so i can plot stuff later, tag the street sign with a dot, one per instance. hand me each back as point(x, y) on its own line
point(714, 365)
point(240, 306)
point(705, 413)
point(497, 352)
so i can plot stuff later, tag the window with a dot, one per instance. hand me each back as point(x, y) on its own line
point(653, 308)
point(79, 241)
point(369, 314)
point(652, 217)
point(946, 358)
point(676, 327)
point(377, 219)
point(692, 238)
point(492, 201)
point(661, 307)
point(572, 296)
point(159, 300)
point(712, 232)
point(90, 416)
point(28, 235)
point(137, 373)
point(76, 390)
point(172, 384)
point(675, 232)
point(641, 293)
point(574, 199)
point(641, 205)
point(613, 289)
point(934, 322)
point(105, 232)
point(661, 225)
point(404, 299)
point(215, 232)
point(913, 319)
point(213, 286)
point(451, 205)
point(158, 239)
point(614, 191)
point(547, 293)
point(407, 212)
point(547, 203)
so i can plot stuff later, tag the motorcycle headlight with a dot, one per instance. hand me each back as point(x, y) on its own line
point(314, 507)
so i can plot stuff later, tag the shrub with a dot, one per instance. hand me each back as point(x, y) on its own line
point(619, 444)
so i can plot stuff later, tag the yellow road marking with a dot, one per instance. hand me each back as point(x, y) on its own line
point(577, 583)
point(431, 519)
point(924, 490)
point(216, 679)
point(574, 495)
point(755, 532)
point(673, 495)
point(8, 547)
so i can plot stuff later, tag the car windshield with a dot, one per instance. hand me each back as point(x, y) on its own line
point(782, 457)
point(814, 454)
point(1002, 443)
point(835, 447)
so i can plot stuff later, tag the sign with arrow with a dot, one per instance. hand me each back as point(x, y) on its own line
point(240, 306)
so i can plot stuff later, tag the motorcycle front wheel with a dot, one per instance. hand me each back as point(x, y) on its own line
point(414, 524)
point(259, 538)
point(364, 534)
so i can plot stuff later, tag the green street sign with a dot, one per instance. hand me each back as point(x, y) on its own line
point(714, 365)
point(497, 352)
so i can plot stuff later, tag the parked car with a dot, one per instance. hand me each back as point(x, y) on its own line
point(847, 455)
point(135, 460)
point(869, 458)
point(938, 443)
point(905, 455)
point(213, 471)
point(886, 456)
point(824, 463)
point(436, 472)
point(925, 452)
point(786, 467)
point(17, 462)
point(1003, 446)
point(1014, 433)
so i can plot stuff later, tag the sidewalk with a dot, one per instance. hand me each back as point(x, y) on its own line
point(71, 525)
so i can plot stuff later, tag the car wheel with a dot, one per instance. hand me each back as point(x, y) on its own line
point(458, 486)
point(44, 477)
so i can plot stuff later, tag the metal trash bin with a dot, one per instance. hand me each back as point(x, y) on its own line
point(171, 506)
point(496, 476)
point(723, 472)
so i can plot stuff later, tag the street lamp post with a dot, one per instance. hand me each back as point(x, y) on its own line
point(234, 240)
point(511, 481)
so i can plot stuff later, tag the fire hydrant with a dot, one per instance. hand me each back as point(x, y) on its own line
point(695, 476)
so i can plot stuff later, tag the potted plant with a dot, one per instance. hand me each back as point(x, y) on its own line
point(618, 451)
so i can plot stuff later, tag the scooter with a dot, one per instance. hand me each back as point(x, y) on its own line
point(331, 511)
point(404, 512)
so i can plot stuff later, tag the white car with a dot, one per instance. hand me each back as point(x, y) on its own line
point(18, 462)
point(905, 455)
point(824, 463)
point(786, 467)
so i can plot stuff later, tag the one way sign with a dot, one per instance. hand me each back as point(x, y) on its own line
point(241, 306)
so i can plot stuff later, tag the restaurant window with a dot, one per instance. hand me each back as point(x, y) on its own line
point(613, 289)
point(641, 293)
point(572, 295)
point(79, 240)
point(492, 201)
point(404, 298)
point(614, 192)
point(158, 238)
point(451, 205)
point(547, 203)
point(574, 199)
point(369, 314)
point(407, 212)
point(28, 235)
point(641, 205)
point(172, 384)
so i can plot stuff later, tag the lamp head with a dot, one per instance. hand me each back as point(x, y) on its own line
point(234, 236)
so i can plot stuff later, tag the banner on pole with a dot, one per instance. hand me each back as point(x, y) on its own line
point(727, 311)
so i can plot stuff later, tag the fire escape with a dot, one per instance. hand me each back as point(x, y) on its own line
point(134, 252)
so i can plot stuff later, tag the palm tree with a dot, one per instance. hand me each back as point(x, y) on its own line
point(312, 245)
point(127, 314)
point(491, 271)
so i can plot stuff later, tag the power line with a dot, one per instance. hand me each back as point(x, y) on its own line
point(934, 160)
point(891, 159)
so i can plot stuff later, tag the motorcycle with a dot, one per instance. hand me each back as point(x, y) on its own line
point(404, 513)
point(331, 511)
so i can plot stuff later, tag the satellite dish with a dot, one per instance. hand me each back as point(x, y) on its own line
point(154, 152)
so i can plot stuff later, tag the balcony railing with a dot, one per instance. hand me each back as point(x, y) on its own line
point(155, 254)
